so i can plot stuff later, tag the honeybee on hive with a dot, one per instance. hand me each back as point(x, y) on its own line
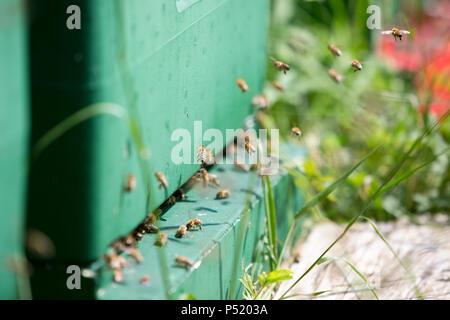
point(183, 261)
point(242, 84)
point(131, 183)
point(193, 224)
point(161, 240)
point(181, 232)
point(162, 180)
point(222, 194)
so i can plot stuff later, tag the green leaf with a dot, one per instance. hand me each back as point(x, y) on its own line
point(186, 296)
point(276, 276)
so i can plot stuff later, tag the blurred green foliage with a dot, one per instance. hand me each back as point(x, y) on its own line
point(342, 122)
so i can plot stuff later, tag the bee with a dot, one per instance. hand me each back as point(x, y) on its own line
point(138, 234)
point(277, 86)
point(356, 65)
point(114, 261)
point(151, 228)
point(183, 261)
point(162, 180)
point(242, 84)
point(180, 194)
point(396, 33)
point(296, 132)
point(129, 240)
point(260, 101)
point(335, 50)
point(144, 280)
point(242, 166)
point(171, 200)
point(181, 232)
point(161, 240)
point(335, 76)
point(134, 253)
point(222, 194)
point(248, 146)
point(131, 183)
point(280, 65)
point(204, 155)
point(193, 223)
point(203, 175)
point(118, 276)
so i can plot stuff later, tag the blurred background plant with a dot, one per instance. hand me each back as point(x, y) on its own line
point(404, 87)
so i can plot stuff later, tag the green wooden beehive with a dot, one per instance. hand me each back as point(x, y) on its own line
point(168, 63)
point(13, 141)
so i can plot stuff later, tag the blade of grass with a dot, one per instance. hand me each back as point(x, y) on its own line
point(324, 193)
point(410, 274)
point(75, 119)
point(271, 218)
point(369, 202)
point(242, 230)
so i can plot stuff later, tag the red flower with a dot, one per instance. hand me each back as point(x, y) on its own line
point(427, 54)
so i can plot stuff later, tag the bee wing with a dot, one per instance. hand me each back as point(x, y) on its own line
point(405, 32)
point(386, 32)
point(273, 59)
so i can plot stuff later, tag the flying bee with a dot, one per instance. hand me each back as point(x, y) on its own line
point(222, 194)
point(335, 76)
point(161, 240)
point(248, 146)
point(296, 132)
point(260, 101)
point(242, 166)
point(396, 33)
point(118, 276)
point(242, 84)
point(181, 232)
point(183, 261)
point(144, 280)
point(205, 156)
point(134, 253)
point(114, 261)
point(356, 65)
point(281, 65)
point(131, 183)
point(194, 223)
point(162, 180)
point(335, 50)
point(277, 86)
point(203, 175)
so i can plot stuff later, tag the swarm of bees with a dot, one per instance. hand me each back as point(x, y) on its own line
point(131, 183)
point(223, 194)
point(242, 84)
point(183, 261)
point(162, 180)
point(396, 33)
point(193, 224)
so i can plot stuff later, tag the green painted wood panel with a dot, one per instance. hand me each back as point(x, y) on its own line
point(167, 65)
point(13, 140)
point(212, 249)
